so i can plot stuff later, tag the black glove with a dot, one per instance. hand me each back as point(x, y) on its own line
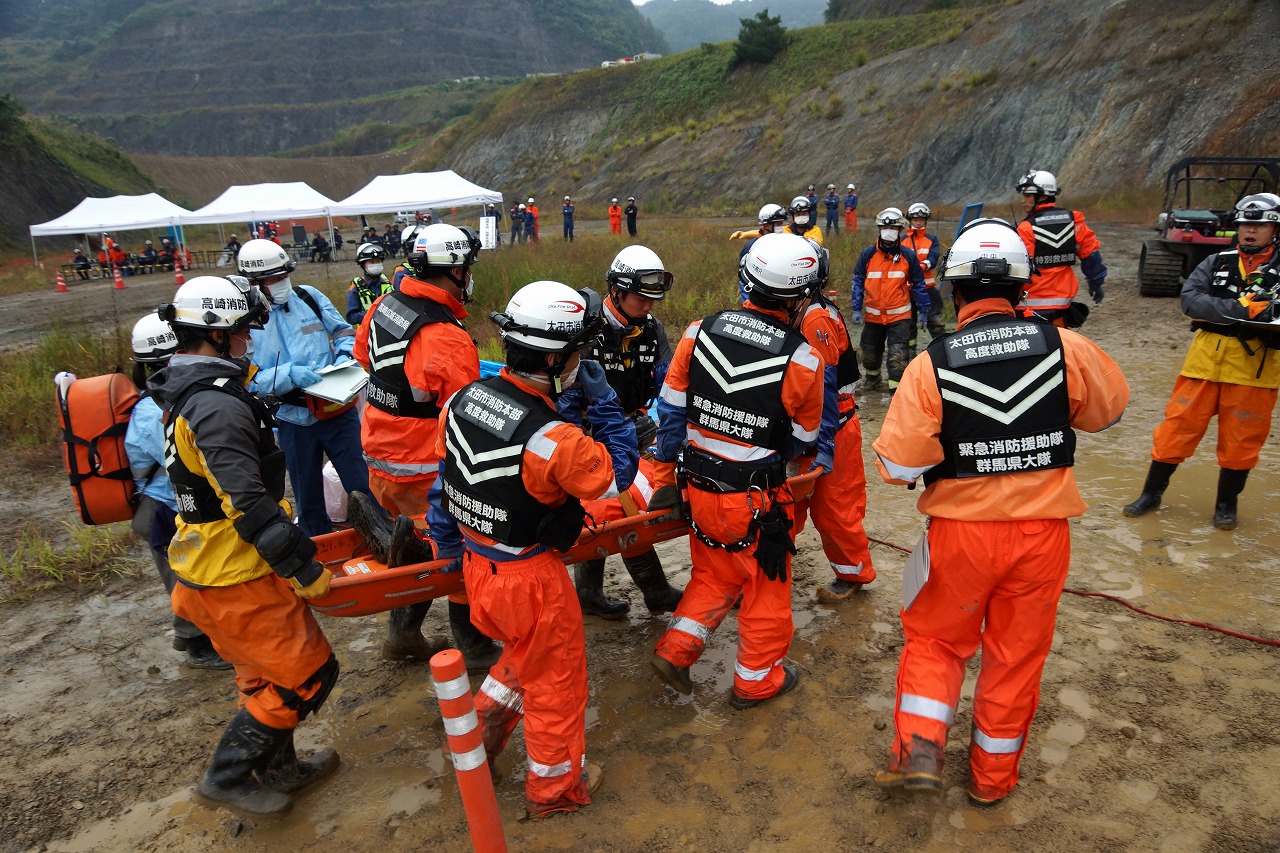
point(562, 527)
point(646, 430)
point(665, 497)
point(774, 544)
point(1095, 290)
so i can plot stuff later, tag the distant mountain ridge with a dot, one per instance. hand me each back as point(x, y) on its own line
point(688, 23)
point(149, 73)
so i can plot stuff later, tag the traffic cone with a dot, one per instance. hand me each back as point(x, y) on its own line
point(62, 284)
point(115, 272)
point(178, 280)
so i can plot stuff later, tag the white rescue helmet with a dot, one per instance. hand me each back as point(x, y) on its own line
point(772, 214)
point(443, 245)
point(1259, 207)
point(781, 266)
point(530, 200)
point(890, 217)
point(988, 252)
point(1038, 182)
point(613, 200)
point(919, 210)
point(209, 302)
point(153, 340)
point(550, 317)
point(801, 204)
point(639, 270)
point(408, 234)
point(852, 187)
point(261, 259)
point(369, 252)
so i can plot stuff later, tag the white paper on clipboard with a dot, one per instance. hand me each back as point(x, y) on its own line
point(339, 383)
point(916, 572)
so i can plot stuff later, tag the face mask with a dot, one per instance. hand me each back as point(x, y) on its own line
point(889, 235)
point(373, 269)
point(279, 292)
point(568, 378)
point(802, 219)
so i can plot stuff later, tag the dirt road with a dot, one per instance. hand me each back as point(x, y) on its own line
point(1150, 736)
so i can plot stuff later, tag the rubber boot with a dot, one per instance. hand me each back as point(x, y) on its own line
point(288, 775)
point(246, 747)
point(659, 595)
point(870, 382)
point(588, 577)
point(478, 651)
point(404, 640)
point(919, 769)
point(406, 547)
point(368, 519)
point(1230, 485)
point(1152, 490)
point(202, 655)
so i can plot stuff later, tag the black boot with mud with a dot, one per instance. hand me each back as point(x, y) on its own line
point(790, 678)
point(368, 519)
point(1152, 490)
point(202, 655)
point(659, 595)
point(288, 774)
point(675, 677)
point(478, 651)
point(1230, 485)
point(404, 640)
point(588, 579)
point(246, 748)
point(406, 547)
point(919, 770)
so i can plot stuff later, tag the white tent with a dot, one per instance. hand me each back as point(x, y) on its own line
point(414, 191)
point(118, 213)
point(253, 202)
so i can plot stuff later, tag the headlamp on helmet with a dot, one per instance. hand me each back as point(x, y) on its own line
point(1259, 207)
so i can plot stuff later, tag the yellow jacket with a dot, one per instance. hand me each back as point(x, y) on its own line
point(1223, 358)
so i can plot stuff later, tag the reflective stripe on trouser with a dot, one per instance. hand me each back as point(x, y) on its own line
point(1010, 574)
point(1244, 421)
point(876, 338)
point(839, 506)
point(268, 633)
point(764, 620)
point(531, 606)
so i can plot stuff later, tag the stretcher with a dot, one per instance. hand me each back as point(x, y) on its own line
point(363, 586)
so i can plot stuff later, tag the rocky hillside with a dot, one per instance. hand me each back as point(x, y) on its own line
point(254, 77)
point(949, 106)
point(688, 23)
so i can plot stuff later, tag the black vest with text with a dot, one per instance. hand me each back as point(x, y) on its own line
point(489, 424)
point(1005, 407)
point(629, 361)
point(735, 378)
point(1055, 233)
point(1226, 282)
point(197, 500)
point(395, 321)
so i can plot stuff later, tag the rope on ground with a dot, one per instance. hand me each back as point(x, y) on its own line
point(1087, 594)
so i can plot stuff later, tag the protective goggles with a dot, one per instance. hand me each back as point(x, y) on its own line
point(1255, 212)
point(651, 284)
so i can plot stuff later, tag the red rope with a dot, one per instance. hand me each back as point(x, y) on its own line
point(1205, 625)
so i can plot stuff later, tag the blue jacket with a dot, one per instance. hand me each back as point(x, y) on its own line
point(144, 445)
point(567, 211)
point(831, 201)
point(295, 335)
point(851, 201)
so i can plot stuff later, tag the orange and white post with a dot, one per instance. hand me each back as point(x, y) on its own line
point(466, 748)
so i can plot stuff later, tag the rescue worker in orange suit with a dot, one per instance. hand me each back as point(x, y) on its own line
point(804, 216)
point(987, 417)
point(851, 209)
point(418, 355)
point(838, 502)
point(615, 217)
point(927, 248)
point(744, 395)
point(887, 280)
point(1055, 237)
point(532, 210)
point(244, 568)
point(512, 478)
point(635, 353)
point(1232, 369)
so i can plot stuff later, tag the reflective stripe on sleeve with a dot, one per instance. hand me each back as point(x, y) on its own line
point(921, 706)
point(997, 745)
point(541, 444)
point(672, 396)
point(902, 472)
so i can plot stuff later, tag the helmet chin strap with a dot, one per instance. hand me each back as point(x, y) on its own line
point(460, 281)
point(615, 295)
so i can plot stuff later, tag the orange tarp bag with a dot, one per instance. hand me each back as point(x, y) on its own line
point(94, 415)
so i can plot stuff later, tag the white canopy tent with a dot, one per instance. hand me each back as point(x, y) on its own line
point(118, 213)
point(414, 191)
point(257, 202)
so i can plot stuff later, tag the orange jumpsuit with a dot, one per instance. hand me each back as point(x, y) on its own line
point(1053, 288)
point(839, 499)
point(718, 577)
point(615, 219)
point(1220, 376)
point(999, 550)
point(533, 208)
point(525, 598)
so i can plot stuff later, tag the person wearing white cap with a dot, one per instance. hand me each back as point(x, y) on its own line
point(566, 210)
point(851, 209)
point(533, 211)
point(615, 216)
point(632, 212)
point(831, 201)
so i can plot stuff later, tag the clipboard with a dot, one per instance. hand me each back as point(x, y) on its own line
point(339, 383)
point(915, 574)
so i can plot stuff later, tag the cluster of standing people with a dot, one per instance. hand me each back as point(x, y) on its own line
point(499, 474)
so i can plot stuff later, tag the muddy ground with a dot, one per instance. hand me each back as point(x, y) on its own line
point(1150, 736)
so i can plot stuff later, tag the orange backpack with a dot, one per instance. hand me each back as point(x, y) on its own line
point(94, 415)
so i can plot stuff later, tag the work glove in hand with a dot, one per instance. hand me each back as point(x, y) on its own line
point(344, 346)
point(1260, 307)
point(665, 497)
point(592, 381)
point(646, 430)
point(856, 318)
point(1095, 290)
point(302, 376)
point(774, 544)
point(455, 566)
point(316, 589)
point(562, 527)
point(823, 460)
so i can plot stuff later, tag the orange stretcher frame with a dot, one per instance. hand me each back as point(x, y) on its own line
point(362, 586)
